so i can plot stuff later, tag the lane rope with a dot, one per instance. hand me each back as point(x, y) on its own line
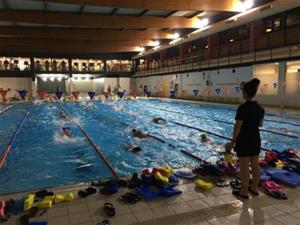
point(90, 141)
point(221, 121)
point(6, 108)
point(13, 138)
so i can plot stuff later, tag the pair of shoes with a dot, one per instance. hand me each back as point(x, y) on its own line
point(87, 192)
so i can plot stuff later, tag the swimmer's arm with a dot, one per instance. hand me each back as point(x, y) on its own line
point(236, 130)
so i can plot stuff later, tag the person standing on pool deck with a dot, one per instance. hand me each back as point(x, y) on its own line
point(246, 138)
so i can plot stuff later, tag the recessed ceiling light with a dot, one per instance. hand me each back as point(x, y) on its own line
point(156, 43)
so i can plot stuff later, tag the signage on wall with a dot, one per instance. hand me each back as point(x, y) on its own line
point(218, 90)
point(227, 90)
point(237, 89)
point(275, 84)
point(58, 94)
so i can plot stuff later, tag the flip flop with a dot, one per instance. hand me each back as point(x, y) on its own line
point(121, 183)
point(87, 192)
point(238, 194)
point(276, 194)
point(130, 198)
point(109, 209)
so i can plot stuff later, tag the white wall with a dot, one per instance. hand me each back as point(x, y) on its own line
point(125, 83)
point(227, 79)
point(15, 84)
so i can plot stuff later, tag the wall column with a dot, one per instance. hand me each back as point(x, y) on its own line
point(281, 82)
point(182, 51)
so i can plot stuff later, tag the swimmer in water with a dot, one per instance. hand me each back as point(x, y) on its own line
point(133, 148)
point(138, 134)
point(66, 132)
point(63, 115)
point(204, 138)
point(159, 120)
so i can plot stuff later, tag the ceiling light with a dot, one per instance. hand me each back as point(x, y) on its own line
point(44, 79)
point(59, 78)
point(206, 46)
point(231, 40)
point(156, 43)
point(200, 23)
point(141, 49)
point(176, 35)
point(244, 5)
point(268, 30)
point(52, 79)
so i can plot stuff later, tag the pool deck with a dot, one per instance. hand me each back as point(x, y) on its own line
point(192, 207)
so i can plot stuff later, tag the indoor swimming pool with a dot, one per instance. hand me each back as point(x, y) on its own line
point(41, 157)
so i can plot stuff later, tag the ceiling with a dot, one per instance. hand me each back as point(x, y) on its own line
point(103, 26)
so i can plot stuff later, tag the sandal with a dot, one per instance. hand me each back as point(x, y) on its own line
point(236, 184)
point(87, 192)
point(221, 182)
point(130, 198)
point(238, 194)
point(109, 209)
point(104, 222)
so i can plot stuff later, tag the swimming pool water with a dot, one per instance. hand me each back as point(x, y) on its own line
point(42, 158)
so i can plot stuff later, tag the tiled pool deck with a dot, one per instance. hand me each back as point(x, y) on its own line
point(193, 207)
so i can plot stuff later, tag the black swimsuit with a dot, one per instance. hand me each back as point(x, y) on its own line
point(248, 141)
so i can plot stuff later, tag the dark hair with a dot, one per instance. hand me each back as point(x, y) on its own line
point(250, 88)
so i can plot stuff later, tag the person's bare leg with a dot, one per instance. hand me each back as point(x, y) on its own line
point(245, 175)
point(255, 173)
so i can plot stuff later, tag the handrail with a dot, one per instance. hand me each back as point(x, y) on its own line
point(90, 141)
point(13, 138)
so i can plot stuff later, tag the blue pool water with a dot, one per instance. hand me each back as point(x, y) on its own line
point(42, 158)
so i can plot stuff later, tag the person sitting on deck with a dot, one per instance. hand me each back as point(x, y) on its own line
point(138, 134)
point(159, 120)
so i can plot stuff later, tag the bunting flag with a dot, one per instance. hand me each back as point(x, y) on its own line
point(22, 93)
point(275, 84)
point(58, 94)
point(218, 90)
point(227, 90)
point(148, 94)
point(121, 94)
point(3, 93)
point(237, 89)
point(172, 93)
point(196, 92)
point(41, 94)
point(75, 94)
point(91, 94)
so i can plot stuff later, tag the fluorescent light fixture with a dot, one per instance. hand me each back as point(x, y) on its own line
point(245, 5)
point(156, 43)
point(141, 49)
point(231, 40)
point(200, 23)
point(52, 79)
point(59, 78)
point(268, 30)
point(175, 41)
point(176, 35)
point(44, 79)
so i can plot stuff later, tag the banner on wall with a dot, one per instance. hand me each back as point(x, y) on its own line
point(148, 94)
point(227, 90)
point(196, 91)
point(218, 90)
point(275, 85)
point(3, 93)
point(41, 94)
point(22, 93)
point(121, 94)
point(59, 94)
point(172, 93)
point(91, 94)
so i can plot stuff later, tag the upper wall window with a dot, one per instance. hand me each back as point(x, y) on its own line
point(293, 17)
point(14, 64)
